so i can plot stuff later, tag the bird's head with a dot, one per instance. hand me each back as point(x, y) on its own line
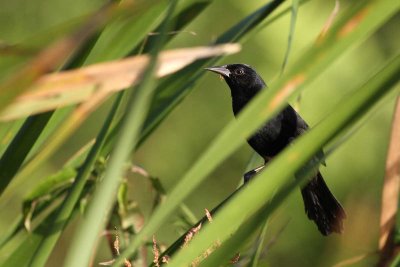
point(242, 79)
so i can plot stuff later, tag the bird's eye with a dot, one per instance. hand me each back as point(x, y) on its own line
point(239, 72)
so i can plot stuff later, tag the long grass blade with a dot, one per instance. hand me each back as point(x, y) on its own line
point(280, 171)
point(50, 58)
point(87, 235)
point(80, 41)
point(293, 18)
point(36, 124)
point(57, 224)
point(174, 89)
point(75, 86)
point(390, 194)
point(19, 148)
point(267, 103)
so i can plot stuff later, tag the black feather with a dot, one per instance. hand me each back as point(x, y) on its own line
point(320, 204)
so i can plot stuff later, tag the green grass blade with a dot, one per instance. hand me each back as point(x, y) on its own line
point(293, 18)
point(121, 36)
point(280, 171)
point(87, 234)
point(186, 12)
point(51, 57)
point(32, 242)
point(19, 148)
point(173, 90)
point(238, 238)
point(21, 255)
point(62, 135)
point(57, 224)
point(33, 127)
point(195, 7)
point(247, 229)
point(228, 248)
point(7, 132)
point(226, 251)
point(267, 103)
point(35, 124)
point(277, 16)
point(125, 37)
point(250, 22)
point(254, 262)
point(11, 231)
point(395, 262)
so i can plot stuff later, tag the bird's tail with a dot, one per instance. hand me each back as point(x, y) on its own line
point(322, 207)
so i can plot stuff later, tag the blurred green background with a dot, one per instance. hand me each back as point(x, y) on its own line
point(354, 171)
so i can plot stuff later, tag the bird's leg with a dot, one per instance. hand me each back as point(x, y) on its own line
point(250, 174)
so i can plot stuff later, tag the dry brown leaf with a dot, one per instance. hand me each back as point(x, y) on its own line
point(70, 87)
point(390, 192)
point(66, 129)
point(52, 56)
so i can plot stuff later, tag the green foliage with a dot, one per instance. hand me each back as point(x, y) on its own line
point(69, 176)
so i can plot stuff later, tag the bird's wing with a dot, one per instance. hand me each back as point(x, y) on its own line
point(301, 128)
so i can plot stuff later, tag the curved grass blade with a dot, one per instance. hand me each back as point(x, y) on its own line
point(226, 251)
point(282, 168)
point(182, 20)
point(12, 231)
point(261, 26)
point(390, 193)
point(44, 189)
point(236, 241)
point(24, 252)
point(173, 90)
point(19, 148)
point(58, 222)
point(267, 103)
point(117, 40)
point(246, 229)
point(41, 125)
point(120, 36)
point(395, 262)
point(170, 61)
point(187, 11)
point(33, 126)
point(194, 8)
point(260, 245)
point(39, 121)
point(230, 247)
point(48, 59)
point(7, 131)
point(87, 234)
point(75, 86)
point(293, 18)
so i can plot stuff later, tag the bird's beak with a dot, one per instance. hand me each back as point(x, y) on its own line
point(220, 70)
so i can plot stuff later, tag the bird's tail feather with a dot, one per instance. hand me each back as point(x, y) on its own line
point(322, 207)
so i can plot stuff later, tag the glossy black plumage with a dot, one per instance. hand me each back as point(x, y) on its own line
point(320, 204)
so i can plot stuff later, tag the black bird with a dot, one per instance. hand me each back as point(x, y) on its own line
point(320, 204)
